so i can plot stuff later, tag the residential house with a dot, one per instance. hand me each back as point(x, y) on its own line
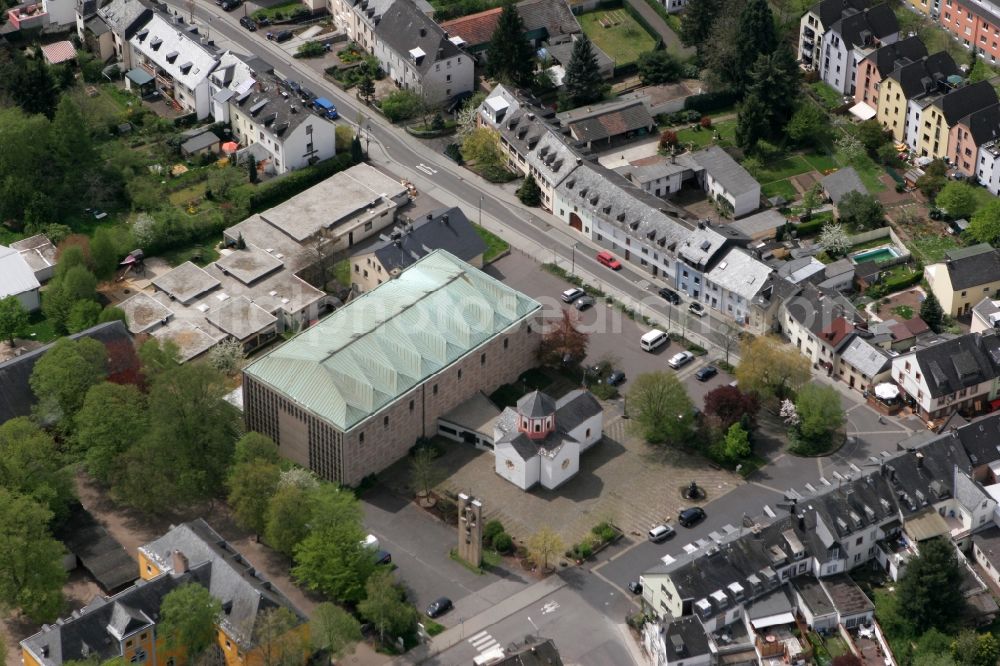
point(944, 113)
point(819, 324)
point(17, 279)
point(878, 65)
point(985, 315)
point(760, 226)
point(40, 254)
point(349, 396)
point(734, 284)
point(268, 121)
point(965, 277)
point(986, 552)
point(988, 171)
point(173, 54)
point(416, 54)
point(967, 135)
point(910, 82)
point(125, 626)
point(906, 334)
point(850, 40)
point(863, 364)
point(728, 184)
point(93, 32)
point(544, 21)
point(443, 229)
point(658, 174)
point(960, 374)
point(124, 18)
point(609, 123)
point(682, 641)
point(54, 15)
point(841, 182)
point(700, 252)
point(16, 396)
point(976, 25)
point(816, 21)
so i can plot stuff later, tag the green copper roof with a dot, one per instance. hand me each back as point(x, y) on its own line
point(385, 342)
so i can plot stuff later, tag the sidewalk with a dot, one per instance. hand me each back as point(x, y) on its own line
point(670, 38)
point(474, 625)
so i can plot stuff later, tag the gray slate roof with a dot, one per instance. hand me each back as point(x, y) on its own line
point(536, 405)
point(404, 27)
point(868, 359)
point(974, 270)
point(842, 181)
point(443, 229)
point(727, 171)
point(16, 396)
point(100, 554)
point(965, 361)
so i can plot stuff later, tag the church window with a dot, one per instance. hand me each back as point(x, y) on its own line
point(538, 426)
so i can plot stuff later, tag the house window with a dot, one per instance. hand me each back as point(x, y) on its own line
point(361, 438)
point(385, 421)
point(228, 645)
point(587, 434)
point(506, 343)
point(482, 359)
point(907, 366)
point(435, 389)
point(859, 541)
point(459, 373)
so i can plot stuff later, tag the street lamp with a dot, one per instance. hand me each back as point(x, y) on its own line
point(480, 210)
point(368, 137)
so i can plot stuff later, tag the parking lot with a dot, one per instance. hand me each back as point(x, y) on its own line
point(614, 337)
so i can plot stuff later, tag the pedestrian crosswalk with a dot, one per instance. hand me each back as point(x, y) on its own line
point(483, 642)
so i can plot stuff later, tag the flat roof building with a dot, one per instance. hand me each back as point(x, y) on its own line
point(351, 395)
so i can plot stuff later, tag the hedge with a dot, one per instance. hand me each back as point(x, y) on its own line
point(710, 101)
point(810, 227)
point(903, 282)
point(275, 191)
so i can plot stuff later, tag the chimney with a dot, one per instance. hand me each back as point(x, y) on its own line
point(920, 460)
point(444, 218)
point(180, 562)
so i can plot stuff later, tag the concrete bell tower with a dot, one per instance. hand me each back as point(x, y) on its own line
point(470, 529)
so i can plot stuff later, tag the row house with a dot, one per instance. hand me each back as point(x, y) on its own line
point(934, 125)
point(266, 120)
point(819, 324)
point(414, 51)
point(975, 24)
point(879, 64)
point(700, 252)
point(977, 129)
point(958, 375)
point(850, 40)
point(965, 276)
point(816, 21)
point(908, 82)
point(117, 22)
point(178, 60)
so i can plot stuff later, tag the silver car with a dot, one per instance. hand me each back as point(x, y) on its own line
point(680, 359)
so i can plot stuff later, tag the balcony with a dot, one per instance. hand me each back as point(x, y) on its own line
point(32, 15)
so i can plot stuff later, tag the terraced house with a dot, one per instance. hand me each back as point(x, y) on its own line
point(126, 625)
point(911, 81)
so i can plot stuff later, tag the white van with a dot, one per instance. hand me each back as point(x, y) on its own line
point(652, 340)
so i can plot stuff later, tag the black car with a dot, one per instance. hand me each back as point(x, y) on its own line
point(634, 586)
point(230, 5)
point(248, 23)
point(692, 516)
point(616, 377)
point(706, 373)
point(583, 303)
point(670, 296)
point(279, 37)
point(383, 557)
point(439, 607)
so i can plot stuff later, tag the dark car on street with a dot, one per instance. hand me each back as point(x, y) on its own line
point(635, 587)
point(706, 373)
point(583, 303)
point(616, 377)
point(248, 23)
point(670, 296)
point(230, 5)
point(439, 607)
point(691, 516)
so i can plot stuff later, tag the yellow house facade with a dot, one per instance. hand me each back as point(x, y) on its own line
point(910, 81)
point(964, 278)
point(892, 107)
point(932, 136)
point(945, 112)
point(125, 625)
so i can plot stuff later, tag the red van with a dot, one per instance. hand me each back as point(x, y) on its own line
point(608, 259)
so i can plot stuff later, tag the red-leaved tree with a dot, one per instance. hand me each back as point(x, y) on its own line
point(727, 405)
point(563, 342)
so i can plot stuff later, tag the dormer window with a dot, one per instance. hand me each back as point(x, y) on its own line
point(172, 56)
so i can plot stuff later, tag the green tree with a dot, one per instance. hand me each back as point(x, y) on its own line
point(820, 413)
point(62, 376)
point(861, 211)
point(13, 319)
point(251, 487)
point(509, 57)
point(722, 67)
point(104, 252)
point(482, 146)
point(31, 464)
point(811, 200)
point(752, 123)
point(809, 126)
point(111, 418)
point(112, 313)
point(935, 177)
point(79, 284)
point(33, 87)
point(974, 649)
point(770, 369)
point(366, 85)
point(275, 639)
point(760, 38)
point(696, 23)
point(331, 559)
point(872, 135)
point(424, 471)
point(71, 146)
point(255, 447)
point(357, 152)
point(529, 193)
point(929, 593)
point(984, 226)
point(385, 607)
point(774, 81)
point(157, 357)
point(333, 629)
point(661, 410)
point(287, 521)
point(659, 66)
point(931, 312)
point(736, 445)
point(188, 615)
point(583, 83)
point(83, 315)
point(402, 105)
point(544, 545)
point(191, 434)
point(31, 571)
point(958, 199)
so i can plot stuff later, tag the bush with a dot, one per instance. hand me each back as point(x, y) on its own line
point(454, 153)
point(710, 101)
point(605, 532)
point(280, 189)
point(491, 530)
point(402, 105)
point(503, 543)
point(584, 550)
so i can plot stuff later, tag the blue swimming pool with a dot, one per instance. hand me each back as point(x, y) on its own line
point(878, 255)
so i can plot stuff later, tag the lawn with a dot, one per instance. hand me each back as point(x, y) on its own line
point(202, 254)
point(830, 98)
point(780, 188)
point(699, 138)
point(39, 328)
point(495, 246)
point(930, 249)
point(342, 272)
point(279, 11)
point(983, 196)
point(821, 162)
point(617, 34)
point(786, 167)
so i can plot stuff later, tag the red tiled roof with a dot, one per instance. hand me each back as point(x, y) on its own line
point(58, 52)
point(475, 29)
point(916, 325)
point(835, 333)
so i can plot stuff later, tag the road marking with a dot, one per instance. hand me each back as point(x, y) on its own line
point(769, 511)
point(810, 487)
point(426, 169)
point(550, 607)
point(483, 642)
point(823, 480)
